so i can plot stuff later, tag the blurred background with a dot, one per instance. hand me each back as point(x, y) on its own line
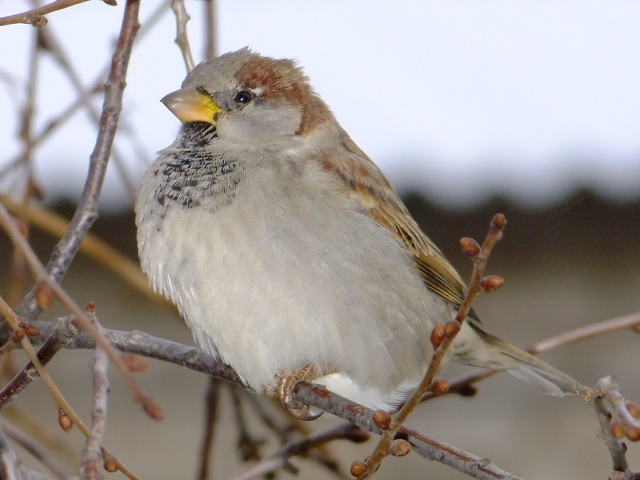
point(527, 108)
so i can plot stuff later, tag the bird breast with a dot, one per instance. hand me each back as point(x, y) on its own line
point(290, 272)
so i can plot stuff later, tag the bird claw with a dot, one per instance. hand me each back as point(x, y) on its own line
point(283, 392)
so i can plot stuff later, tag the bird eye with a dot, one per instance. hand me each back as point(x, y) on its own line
point(243, 97)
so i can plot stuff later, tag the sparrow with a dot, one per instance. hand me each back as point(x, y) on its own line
point(288, 252)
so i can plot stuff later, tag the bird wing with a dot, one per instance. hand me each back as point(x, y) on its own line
point(369, 186)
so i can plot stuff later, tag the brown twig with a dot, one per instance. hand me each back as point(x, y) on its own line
point(39, 451)
point(57, 51)
point(86, 212)
point(60, 400)
point(211, 405)
point(86, 325)
point(64, 334)
point(283, 432)
point(303, 447)
point(430, 448)
point(182, 39)
point(92, 246)
point(36, 16)
point(480, 259)
point(138, 342)
point(23, 378)
point(583, 333)
point(9, 464)
point(248, 445)
point(463, 385)
point(92, 452)
point(616, 418)
point(210, 27)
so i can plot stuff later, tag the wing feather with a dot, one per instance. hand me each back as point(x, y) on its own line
point(378, 199)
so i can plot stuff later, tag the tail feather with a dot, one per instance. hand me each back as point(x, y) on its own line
point(491, 352)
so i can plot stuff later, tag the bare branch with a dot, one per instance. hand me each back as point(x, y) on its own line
point(616, 420)
point(86, 212)
point(32, 260)
point(92, 246)
point(279, 460)
point(314, 395)
point(478, 284)
point(428, 447)
point(211, 29)
point(92, 453)
point(9, 463)
point(39, 451)
point(182, 39)
point(583, 333)
point(36, 16)
point(211, 403)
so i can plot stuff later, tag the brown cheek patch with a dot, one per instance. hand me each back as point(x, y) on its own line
point(282, 79)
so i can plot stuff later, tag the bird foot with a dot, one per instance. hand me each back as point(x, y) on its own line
point(283, 392)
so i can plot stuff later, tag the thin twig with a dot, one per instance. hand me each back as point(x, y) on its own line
point(92, 454)
point(55, 48)
point(463, 385)
point(39, 451)
point(190, 357)
point(92, 246)
point(480, 259)
point(615, 422)
point(58, 398)
point(36, 16)
point(23, 378)
point(428, 447)
point(86, 212)
point(182, 39)
point(583, 333)
point(9, 463)
point(248, 445)
point(64, 334)
point(302, 447)
point(20, 242)
point(211, 404)
point(211, 30)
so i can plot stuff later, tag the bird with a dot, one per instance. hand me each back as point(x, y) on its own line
point(288, 252)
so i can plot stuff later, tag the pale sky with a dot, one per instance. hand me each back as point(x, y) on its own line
point(456, 99)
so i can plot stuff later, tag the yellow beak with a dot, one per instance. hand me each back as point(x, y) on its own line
point(191, 105)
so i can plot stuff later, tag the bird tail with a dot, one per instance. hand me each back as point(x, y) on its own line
point(492, 352)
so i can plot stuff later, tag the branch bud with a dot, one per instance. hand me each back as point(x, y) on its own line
point(151, 408)
point(633, 409)
point(467, 391)
point(633, 434)
point(470, 247)
point(135, 363)
point(439, 387)
point(451, 328)
point(31, 330)
point(17, 335)
point(44, 295)
point(491, 283)
point(437, 335)
point(64, 420)
point(358, 468)
point(382, 419)
point(110, 464)
point(399, 447)
point(498, 222)
point(617, 429)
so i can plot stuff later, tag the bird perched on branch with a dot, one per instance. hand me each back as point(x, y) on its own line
point(289, 253)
